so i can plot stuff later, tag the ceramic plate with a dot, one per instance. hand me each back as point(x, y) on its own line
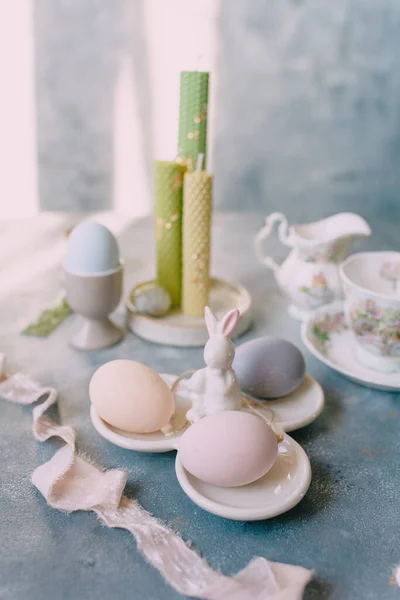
point(147, 442)
point(177, 329)
point(291, 412)
point(327, 337)
point(299, 408)
point(275, 493)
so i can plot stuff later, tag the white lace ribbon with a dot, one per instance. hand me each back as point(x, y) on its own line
point(71, 482)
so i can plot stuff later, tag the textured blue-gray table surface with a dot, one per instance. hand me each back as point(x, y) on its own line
point(347, 527)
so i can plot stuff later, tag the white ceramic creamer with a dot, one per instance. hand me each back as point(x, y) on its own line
point(309, 275)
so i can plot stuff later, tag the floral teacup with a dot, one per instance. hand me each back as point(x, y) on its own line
point(371, 286)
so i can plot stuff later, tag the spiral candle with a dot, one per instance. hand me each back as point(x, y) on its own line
point(168, 180)
point(196, 242)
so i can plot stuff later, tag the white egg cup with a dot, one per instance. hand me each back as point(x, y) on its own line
point(93, 297)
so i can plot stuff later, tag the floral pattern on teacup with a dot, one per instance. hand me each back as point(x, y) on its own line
point(376, 328)
point(391, 271)
point(323, 328)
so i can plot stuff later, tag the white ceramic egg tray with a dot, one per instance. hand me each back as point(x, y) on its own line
point(277, 492)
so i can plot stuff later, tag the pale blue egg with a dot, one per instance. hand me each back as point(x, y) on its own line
point(91, 249)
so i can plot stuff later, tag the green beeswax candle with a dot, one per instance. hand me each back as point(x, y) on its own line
point(193, 118)
point(168, 184)
point(197, 193)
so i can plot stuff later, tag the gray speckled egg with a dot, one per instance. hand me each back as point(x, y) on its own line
point(152, 300)
point(269, 367)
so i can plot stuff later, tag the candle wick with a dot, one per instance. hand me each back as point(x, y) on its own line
point(199, 59)
point(199, 163)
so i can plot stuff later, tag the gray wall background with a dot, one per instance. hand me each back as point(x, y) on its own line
point(308, 103)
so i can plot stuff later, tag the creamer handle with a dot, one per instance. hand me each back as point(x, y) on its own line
point(264, 233)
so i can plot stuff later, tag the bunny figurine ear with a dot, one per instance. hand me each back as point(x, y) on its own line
point(228, 322)
point(211, 321)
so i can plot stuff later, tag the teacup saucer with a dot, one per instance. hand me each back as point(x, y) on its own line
point(291, 412)
point(275, 493)
point(327, 337)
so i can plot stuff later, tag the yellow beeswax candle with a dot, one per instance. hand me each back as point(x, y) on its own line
point(197, 211)
point(168, 187)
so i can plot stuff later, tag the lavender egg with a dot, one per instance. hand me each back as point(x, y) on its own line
point(269, 367)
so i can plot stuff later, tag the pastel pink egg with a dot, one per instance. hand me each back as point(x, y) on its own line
point(228, 449)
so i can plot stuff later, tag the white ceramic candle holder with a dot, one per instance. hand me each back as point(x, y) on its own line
point(177, 329)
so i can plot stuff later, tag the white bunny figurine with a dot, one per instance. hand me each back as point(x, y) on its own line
point(215, 388)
